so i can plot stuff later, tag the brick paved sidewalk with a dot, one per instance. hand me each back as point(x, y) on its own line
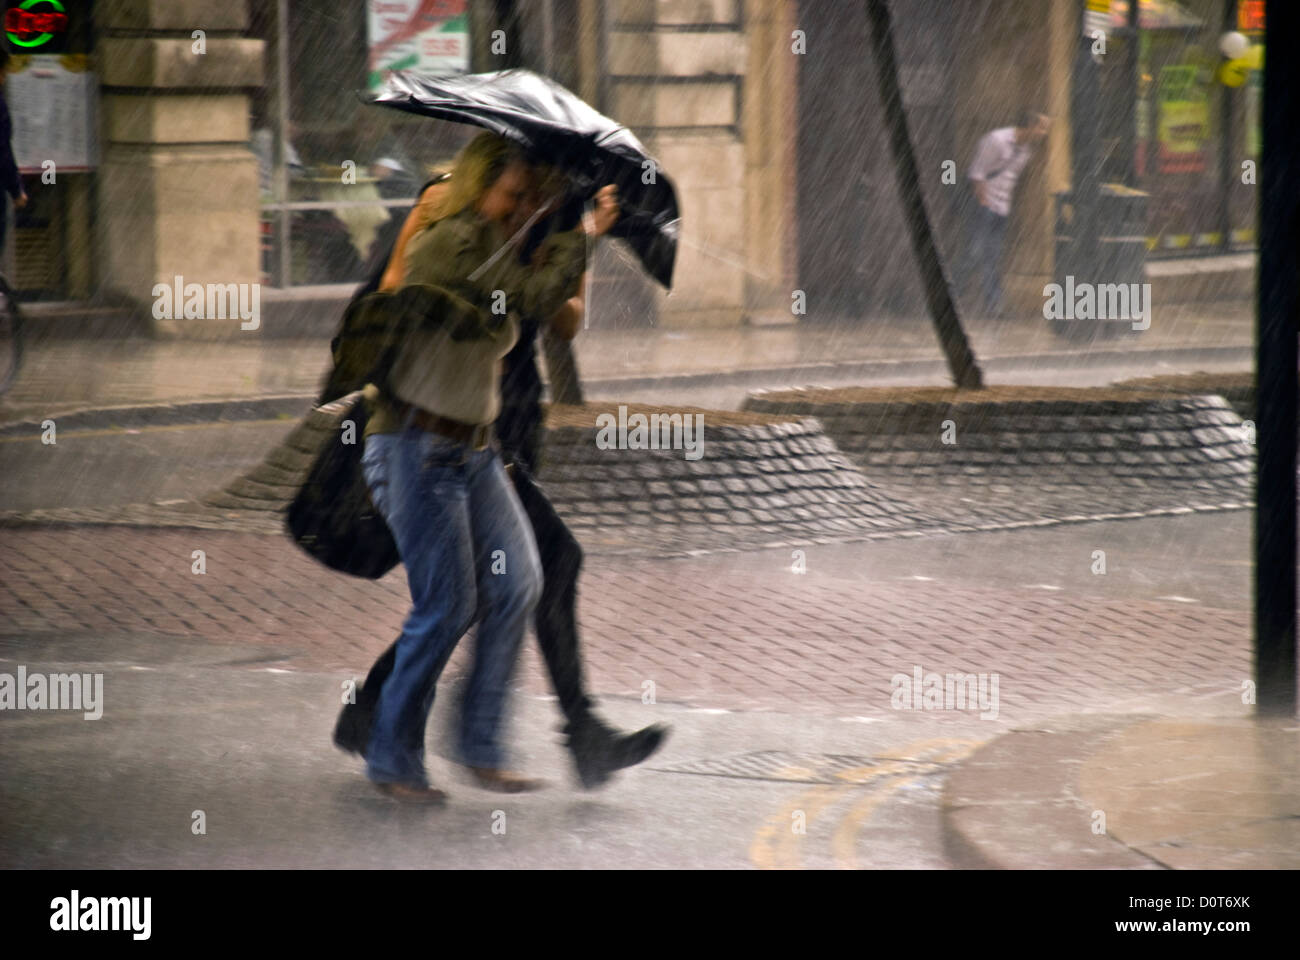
point(709, 631)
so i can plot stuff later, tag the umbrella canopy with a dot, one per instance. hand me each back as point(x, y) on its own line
point(560, 128)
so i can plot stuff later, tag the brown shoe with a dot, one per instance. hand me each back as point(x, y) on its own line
point(410, 793)
point(505, 781)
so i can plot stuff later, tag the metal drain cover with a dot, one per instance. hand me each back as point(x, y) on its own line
point(794, 767)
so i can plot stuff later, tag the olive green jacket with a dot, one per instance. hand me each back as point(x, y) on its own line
point(462, 276)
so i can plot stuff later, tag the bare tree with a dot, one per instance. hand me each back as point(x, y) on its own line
point(961, 360)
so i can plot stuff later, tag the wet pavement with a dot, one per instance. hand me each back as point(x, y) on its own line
point(1119, 687)
point(788, 746)
point(247, 750)
point(64, 375)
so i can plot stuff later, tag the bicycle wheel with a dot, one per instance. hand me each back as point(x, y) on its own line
point(11, 337)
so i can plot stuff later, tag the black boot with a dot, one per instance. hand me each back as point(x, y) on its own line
point(599, 750)
point(352, 732)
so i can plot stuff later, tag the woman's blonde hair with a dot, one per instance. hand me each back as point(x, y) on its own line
point(478, 165)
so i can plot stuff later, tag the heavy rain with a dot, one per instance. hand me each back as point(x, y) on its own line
point(695, 434)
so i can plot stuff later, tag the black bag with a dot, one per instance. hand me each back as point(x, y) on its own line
point(333, 518)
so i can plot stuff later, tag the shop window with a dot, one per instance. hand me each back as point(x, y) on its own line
point(336, 175)
point(1189, 123)
point(52, 93)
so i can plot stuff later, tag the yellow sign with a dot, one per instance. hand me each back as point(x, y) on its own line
point(1235, 72)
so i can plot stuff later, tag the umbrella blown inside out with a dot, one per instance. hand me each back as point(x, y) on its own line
point(562, 129)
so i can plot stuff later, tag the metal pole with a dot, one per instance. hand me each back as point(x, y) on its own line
point(9, 257)
point(561, 362)
point(1084, 94)
point(1278, 308)
point(1225, 142)
point(285, 278)
point(1135, 81)
point(961, 359)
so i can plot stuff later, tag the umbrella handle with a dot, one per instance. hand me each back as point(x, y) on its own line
point(513, 241)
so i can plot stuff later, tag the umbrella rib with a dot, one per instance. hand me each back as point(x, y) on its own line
point(528, 224)
point(710, 252)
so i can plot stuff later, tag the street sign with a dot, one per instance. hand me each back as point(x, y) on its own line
point(427, 36)
point(1250, 16)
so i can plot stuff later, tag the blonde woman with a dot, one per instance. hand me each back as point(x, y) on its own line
point(435, 476)
point(598, 750)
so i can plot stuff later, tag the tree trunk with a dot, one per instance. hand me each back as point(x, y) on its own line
point(938, 295)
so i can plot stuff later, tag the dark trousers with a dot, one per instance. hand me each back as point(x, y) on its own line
point(988, 237)
point(556, 615)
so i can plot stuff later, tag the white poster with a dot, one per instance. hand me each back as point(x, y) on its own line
point(52, 105)
point(427, 36)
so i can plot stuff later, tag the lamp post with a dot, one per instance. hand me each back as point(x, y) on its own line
point(1277, 318)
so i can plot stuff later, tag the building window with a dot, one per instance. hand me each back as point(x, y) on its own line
point(1189, 124)
point(337, 175)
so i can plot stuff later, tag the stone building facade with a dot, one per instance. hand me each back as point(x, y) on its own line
point(177, 190)
point(766, 113)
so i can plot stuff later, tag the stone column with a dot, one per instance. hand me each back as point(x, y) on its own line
point(178, 188)
point(770, 125)
point(675, 73)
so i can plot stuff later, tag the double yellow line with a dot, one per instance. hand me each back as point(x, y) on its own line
point(777, 846)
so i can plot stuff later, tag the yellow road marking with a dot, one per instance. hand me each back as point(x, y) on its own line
point(948, 748)
point(776, 846)
point(937, 750)
point(844, 842)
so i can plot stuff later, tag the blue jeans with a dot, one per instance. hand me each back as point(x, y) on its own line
point(988, 234)
point(470, 556)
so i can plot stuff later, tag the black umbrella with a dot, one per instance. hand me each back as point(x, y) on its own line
point(560, 128)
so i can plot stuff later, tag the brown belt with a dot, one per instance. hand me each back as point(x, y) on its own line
point(477, 436)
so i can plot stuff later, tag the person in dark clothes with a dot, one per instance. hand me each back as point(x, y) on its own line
point(10, 179)
point(597, 749)
point(393, 183)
